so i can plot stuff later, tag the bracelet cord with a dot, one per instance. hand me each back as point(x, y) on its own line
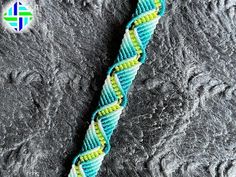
point(113, 98)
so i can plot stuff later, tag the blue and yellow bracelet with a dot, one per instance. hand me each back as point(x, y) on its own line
point(119, 78)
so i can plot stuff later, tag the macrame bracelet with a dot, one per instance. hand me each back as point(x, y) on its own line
point(113, 97)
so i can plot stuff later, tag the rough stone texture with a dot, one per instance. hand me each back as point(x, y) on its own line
point(181, 116)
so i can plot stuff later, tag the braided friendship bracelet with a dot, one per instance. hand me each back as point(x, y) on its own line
point(113, 97)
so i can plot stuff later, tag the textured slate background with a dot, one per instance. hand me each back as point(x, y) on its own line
point(180, 120)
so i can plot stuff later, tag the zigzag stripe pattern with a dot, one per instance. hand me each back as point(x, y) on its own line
point(18, 16)
point(113, 97)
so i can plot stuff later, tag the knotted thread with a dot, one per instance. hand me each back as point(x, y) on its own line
point(113, 97)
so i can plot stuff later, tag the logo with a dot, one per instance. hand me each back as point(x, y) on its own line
point(17, 16)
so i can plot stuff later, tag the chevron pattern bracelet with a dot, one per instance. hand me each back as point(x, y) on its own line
point(113, 97)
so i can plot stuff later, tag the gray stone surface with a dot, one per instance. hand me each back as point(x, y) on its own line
point(180, 120)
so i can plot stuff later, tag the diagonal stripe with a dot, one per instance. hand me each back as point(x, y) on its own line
point(14, 24)
point(26, 21)
point(15, 8)
point(10, 12)
point(10, 18)
point(22, 8)
point(25, 14)
point(20, 23)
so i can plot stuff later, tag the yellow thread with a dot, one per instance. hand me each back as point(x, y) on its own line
point(127, 64)
point(78, 172)
point(99, 134)
point(157, 3)
point(146, 18)
point(108, 110)
point(91, 156)
point(135, 41)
